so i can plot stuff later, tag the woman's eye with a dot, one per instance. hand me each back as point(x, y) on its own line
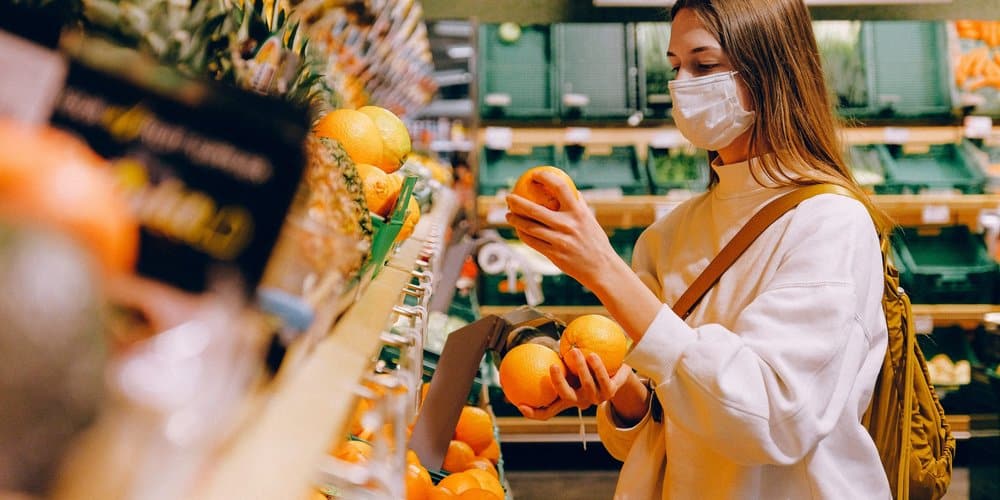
point(675, 69)
point(708, 67)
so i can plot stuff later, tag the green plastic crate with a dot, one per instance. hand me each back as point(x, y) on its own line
point(593, 167)
point(655, 73)
point(843, 59)
point(499, 169)
point(672, 169)
point(944, 167)
point(559, 290)
point(944, 265)
point(518, 71)
point(595, 61)
point(907, 69)
point(867, 165)
point(386, 230)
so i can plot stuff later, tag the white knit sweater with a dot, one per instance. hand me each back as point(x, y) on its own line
point(764, 385)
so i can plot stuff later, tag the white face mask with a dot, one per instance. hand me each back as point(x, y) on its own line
point(707, 110)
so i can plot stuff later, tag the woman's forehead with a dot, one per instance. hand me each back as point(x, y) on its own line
point(688, 35)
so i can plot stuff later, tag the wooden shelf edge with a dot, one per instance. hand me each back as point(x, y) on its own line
point(942, 314)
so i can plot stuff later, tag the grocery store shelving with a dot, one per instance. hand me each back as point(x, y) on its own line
point(567, 429)
point(965, 315)
point(639, 211)
point(304, 414)
point(643, 136)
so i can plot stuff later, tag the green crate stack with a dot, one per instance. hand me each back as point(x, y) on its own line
point(907, 68)
point(593, 168)
point(518, 66)
point(944, 265)
point(655, 73)
point(499, 169)
point(944, 167)
point(596, 60)
point(672, 169)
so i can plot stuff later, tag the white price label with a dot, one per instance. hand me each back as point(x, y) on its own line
point(896, 135)
point(667, 139)
point(935, 214)
point(577, 135)
point(978, 127)
point(32, 81)
point(923, 324)
point(497, 215)
point(501, 138)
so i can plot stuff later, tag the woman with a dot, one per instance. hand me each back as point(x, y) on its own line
point(763, 386)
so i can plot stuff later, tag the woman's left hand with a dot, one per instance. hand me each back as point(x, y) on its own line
point(571, 237)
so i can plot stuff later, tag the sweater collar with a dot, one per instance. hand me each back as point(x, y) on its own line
point(736, 179)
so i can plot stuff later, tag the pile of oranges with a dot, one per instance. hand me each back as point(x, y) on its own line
point(378, 143)
point(525, 375)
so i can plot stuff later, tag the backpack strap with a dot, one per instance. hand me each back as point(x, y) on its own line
point(744, 238)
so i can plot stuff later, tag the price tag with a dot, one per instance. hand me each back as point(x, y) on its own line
point(664, 208)
point(935, 214)
point(978, 127)
point(31, 84)
point(923, 324)
point(896, 135)
point(499, 138)
point(578, 135)
point(497, 215)
point(667, 139)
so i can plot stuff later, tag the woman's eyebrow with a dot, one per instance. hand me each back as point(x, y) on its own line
point(695, 50)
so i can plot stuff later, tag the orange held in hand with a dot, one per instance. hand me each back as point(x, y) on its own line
point(530, 187)
point(593, 333)
point(525, 377)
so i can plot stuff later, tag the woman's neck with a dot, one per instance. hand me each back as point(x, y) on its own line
point(736, 151)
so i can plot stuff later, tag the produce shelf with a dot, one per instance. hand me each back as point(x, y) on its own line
point(905, 209)
point(964, 315)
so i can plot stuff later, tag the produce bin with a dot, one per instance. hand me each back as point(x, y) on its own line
point(599, 167)
point(596, 69)
point(867, 165)
point(516, 74)
point(499, 169)
point(947, 167)
point(944, 265)
point(672, 169)
point(907, 68)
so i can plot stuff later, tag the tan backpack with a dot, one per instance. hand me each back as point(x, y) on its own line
point(905, 418)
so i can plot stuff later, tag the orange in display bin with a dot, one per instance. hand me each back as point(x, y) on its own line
point(386, 230)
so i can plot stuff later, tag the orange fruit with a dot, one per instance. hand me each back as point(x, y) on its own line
point(492, 452)
point(423, 391)
point(410, 222)
point(395, 138)
point(459, 482)
point(531, 188)
point(524, 375)
point(50, 177)
point(478, 494)
point(486, 481)
point(593, 333)
point(485, 464)
point(379, 195)
point(357, 452)
point(458, 456)
point(440, 493)
point(475, 427)
point(356, 133)
point(418, 483)
point(412, 458)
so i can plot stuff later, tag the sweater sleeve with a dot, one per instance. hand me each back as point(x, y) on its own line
point(768, 390)
point(619, 440)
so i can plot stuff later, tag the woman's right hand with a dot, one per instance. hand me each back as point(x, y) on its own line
point(595, 385)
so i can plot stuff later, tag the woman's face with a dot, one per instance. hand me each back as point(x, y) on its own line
point(694, 52)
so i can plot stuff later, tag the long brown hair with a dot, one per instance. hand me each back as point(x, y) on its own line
point(772, 46)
